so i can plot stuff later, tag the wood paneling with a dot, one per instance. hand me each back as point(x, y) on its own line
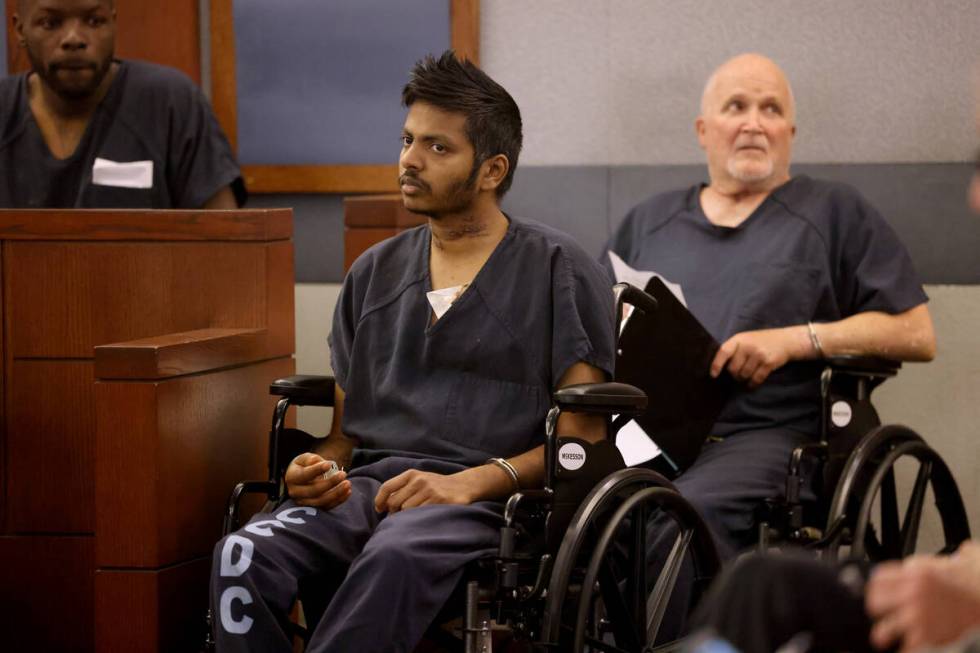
point(464, 18)
point(136, 611)
point(4, 373)
point(371, 219)
point(356, 241)
point(156, 459)
point(50, 447)
point(280, 306)
point(163, 32)
point(152, 291)
point(198, 437)
point(180, 353)
point(133, 225)
point(46, 594)
point(379, 211)
point(321, 178)
point(224, 88)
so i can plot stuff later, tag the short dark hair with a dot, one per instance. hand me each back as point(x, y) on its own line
point(493, 121)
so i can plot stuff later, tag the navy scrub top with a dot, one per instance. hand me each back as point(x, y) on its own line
point(812, 251)
point(478, 382)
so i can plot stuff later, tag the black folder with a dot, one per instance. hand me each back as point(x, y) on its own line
point(667, 353)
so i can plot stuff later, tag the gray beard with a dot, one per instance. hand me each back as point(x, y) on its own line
point(749, 178)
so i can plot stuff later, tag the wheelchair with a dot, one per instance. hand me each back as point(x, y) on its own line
point(571, 571)
point(857, 513)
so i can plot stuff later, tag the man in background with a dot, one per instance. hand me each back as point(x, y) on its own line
point(83, 129)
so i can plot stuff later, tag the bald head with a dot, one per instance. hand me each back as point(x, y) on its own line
point(746, 67)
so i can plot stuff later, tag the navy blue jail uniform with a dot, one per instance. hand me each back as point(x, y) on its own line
point(438, 397)
point(812, 251)
point(151, 115)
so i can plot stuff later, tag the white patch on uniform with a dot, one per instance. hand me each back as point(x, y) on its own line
point(233, 570)
point(126, 174)
point(264, 528)
point(227, 622)
point(286, 515)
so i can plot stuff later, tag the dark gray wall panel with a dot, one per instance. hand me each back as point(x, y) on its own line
point(573, 199)
point(924, 202)
point(318, 233)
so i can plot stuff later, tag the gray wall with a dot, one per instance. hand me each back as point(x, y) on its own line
point(618, 82)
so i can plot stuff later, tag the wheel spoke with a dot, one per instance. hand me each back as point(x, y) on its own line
point(889, 516)
point(617, 607)
point(913, 513)
point(637, 581)
point(657, 603)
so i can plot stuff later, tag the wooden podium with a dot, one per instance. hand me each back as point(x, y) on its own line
point(369, 219)
point(137, 350)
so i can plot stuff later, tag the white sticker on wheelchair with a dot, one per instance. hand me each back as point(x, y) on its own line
point(263, 528)
point(231, 569)
point(287, 515)
point(227, 622)
point(840, 414)
point(571, 456)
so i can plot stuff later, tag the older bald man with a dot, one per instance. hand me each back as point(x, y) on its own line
point(783, 270)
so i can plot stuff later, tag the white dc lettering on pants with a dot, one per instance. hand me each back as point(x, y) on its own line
point(230, 569)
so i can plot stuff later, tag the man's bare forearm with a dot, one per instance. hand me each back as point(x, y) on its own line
point(337, 448)
point(907, 336)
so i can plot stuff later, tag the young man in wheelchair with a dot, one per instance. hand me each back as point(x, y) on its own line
point(782, 270)
point(447, 343)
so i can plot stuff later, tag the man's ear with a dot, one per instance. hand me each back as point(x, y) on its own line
point(493, 172)
point(19, 29)
point(699, 130)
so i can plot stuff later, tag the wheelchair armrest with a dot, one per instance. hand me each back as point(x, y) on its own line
point(608, 398)
point(305, 389)
point(864, 365)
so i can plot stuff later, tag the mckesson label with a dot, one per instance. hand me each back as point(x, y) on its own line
point(840, 414)
point(571, 456)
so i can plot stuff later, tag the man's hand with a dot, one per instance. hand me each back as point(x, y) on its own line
point(925, 601)
point(414, 488)
point(751, 356)
point(307, 486)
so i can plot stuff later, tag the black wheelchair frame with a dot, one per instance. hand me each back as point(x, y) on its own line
point(856, 456)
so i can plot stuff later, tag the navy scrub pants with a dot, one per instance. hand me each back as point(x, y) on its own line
point(400, 568)
point(727, 483)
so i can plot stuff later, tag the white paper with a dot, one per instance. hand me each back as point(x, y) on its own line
point(442, 299)
point(635, 445)
point(640, 278)
point(130, 174)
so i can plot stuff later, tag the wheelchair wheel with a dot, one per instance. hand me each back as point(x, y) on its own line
point(599, 597)
point(868, 481)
